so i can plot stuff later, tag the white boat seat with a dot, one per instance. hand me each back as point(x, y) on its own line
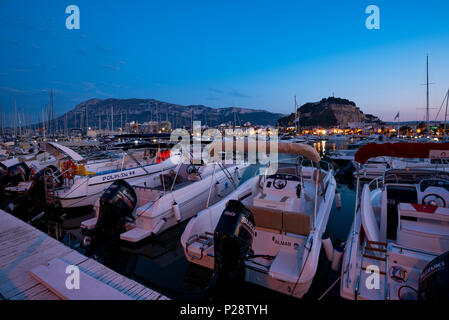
point(135, 235)
point(200, 245)
point(89, 224)
point(146, 195)
point(425, 229)
point(193, 177)
point(285, 267)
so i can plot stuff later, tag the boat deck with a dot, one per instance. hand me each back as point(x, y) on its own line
point(28, 269)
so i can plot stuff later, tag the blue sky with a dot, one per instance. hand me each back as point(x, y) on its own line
point(249, 53)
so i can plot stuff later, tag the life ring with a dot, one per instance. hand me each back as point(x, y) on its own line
point(69, 169)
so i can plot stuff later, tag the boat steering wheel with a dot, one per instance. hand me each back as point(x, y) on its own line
point(434, 200)
point(191, 168)
point(279, 183)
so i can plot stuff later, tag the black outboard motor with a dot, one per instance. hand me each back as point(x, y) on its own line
point(27, 206)
point(233, 239)
point(434, 280)
point(117, 205)
point(17, 173)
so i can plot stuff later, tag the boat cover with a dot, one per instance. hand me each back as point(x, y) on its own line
point(402, 150)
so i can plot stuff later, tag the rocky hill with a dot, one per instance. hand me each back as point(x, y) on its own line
point(329, 112)
point(99, 112)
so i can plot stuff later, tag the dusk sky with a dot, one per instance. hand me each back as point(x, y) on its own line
point(255, 54)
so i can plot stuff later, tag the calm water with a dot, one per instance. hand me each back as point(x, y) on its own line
point(160, 264)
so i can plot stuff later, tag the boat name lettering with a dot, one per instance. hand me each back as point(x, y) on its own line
point(119, 175)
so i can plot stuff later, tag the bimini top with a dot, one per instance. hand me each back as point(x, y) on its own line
point(304, 150)
point(55, 148)
point(402, 150)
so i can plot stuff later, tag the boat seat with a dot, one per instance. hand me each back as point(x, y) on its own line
point(285, 266)
point(277, 221)
point(193, 177)
point(267, 218)
point(395, 195)
point(297, 223)
point(144, 196)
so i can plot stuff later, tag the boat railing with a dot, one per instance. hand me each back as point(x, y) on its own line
point(401, 249)
point(376, 183)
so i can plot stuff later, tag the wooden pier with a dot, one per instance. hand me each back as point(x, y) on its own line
point(33, 267)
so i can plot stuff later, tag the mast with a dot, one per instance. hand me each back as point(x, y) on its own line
point(3, 123)
point(294, 116)
point(112, 118)
point(15, 118)
point(445, 113)
point(427, 97)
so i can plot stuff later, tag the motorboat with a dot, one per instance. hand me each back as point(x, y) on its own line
point(342, 157)
point(374, 167)
point(398, 244)
point(86, 179)
point(269, 230)
point(167, 198)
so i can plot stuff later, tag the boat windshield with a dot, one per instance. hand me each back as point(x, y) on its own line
point(412, 176)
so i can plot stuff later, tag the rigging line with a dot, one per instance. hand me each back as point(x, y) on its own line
point(441, 106)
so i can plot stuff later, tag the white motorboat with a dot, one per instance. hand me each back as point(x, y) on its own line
point(400, 232)
point(170, 198)
point(21, 169)
point(85, 180)
point(270, 228)
point(338, 137)
point(342, 157)
point(374, 167)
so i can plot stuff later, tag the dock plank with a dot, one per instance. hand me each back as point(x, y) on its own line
point(31, 268)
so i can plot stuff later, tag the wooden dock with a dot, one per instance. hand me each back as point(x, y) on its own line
point(32, 267)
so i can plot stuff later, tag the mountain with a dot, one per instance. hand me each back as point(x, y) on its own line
point(329, 112)
point(143, 110)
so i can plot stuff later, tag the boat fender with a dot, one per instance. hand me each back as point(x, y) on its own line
point(328, 247)
point(337, 200)
point(159, 225)
point(177, 211)
point(336, 259)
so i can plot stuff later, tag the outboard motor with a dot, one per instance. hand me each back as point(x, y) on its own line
point(233, 239)
point(117, 206)
point(32, 203)
point(434, 280)
point(15, 174)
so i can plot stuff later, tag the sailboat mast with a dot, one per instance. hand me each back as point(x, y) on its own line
point(427, 97)
point(445, 113)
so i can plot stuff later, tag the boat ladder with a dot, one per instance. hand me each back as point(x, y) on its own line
point(377, 253)
point(49, 186)
point(201, 243)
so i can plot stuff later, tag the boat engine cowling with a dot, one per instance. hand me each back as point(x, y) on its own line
point(15, 174)
point(434, 280)
point(117, 205)
point(233, 239)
